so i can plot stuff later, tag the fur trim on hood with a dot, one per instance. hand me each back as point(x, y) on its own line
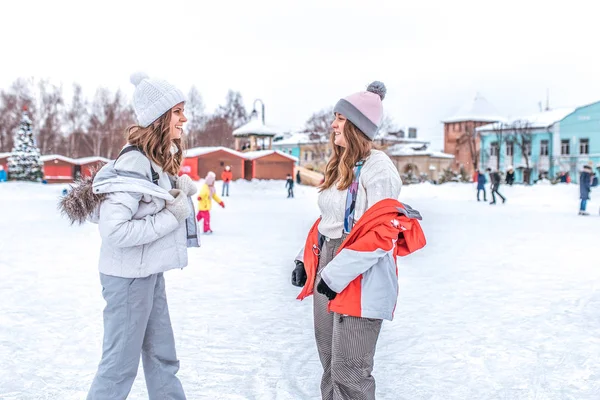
point(80, 202)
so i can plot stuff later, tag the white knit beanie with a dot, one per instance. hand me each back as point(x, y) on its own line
point(152, 98)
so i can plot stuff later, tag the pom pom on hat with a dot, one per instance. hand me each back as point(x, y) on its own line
point(377, 87)
point(137, 77)
point(364, 109)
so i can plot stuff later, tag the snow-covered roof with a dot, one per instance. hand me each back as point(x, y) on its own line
point(87, 160)
point(393, 138)
point(253, 155)
point(296, 139)
point(255, 127)
point(250, 155)
point(410, 150)
point(5, 155)
point(538, 120)
point(75, 161)
point(478, 109)
point(199, 151)
point(50, 157)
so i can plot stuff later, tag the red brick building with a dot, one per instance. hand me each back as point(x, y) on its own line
point(198, 161)
point(61, 169)
point(269, 164)
point(86, 165)
point(58, 169)
point(461, 126)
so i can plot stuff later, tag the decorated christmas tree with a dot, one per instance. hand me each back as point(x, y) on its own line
point(24, 164)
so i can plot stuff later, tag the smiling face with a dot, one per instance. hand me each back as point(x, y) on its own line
point(177, 121)
point(338, 129)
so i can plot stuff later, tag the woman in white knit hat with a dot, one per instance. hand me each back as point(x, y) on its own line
point(146, 221)
point(349, 259)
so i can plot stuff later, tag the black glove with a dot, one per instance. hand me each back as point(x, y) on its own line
point(324, 289)
point(299, 274)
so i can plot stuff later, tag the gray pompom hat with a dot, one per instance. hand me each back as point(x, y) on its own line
point(364, 109)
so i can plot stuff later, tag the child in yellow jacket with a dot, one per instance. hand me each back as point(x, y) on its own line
point(205, 198)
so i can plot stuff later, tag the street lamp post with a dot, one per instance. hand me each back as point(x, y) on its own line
point(262, 109)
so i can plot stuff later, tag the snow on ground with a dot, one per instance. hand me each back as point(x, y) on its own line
point(503, 303)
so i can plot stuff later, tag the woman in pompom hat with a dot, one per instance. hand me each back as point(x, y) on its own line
point(146, 221)
point(350, 252)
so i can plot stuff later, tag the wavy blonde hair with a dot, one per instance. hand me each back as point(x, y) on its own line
point(340, 168)
point(155, 141)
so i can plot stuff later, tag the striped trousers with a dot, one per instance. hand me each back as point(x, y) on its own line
point(346, 344)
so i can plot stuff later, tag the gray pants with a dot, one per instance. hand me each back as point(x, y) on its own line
point(346, 344)
point(136, 321)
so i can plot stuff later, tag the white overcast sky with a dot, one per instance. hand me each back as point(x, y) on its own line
point(301, 56)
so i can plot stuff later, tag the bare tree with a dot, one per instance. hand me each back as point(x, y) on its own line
point(76, 122)
point(521, 133)
point(78, 129)
point(387, 125)
point(216, 132)
point(8, 106)
point(124, 117)
point(195, 113)
point(318, 128)
point(49, 113)
point(499, 132)
point(95, 135)
point(110, 115)
point(234, 110)
point(470, 140)
point(12, 102)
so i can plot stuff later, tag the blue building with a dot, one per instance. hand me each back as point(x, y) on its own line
point(311, 150)
point(291, 144)
point(556, 141)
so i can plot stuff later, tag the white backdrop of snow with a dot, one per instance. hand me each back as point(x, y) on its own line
point(501, 304)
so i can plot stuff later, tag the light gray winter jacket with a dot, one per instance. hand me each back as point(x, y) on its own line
point(140, 237)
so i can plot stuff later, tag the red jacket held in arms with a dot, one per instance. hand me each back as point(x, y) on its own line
point(364, 271)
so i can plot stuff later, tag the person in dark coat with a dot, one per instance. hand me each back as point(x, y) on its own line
point(586, 181)
point(481, 181)
point(495, 180)
point(298, 179)
point(289, 184)
point(510, 176)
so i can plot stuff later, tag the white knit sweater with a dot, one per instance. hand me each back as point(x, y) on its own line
point(379, 179)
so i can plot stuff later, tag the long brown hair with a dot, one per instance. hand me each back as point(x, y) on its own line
point(340, 167)
point(155, 141)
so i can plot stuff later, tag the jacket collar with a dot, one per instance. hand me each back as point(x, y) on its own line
point(109, 180)
point(384, 208)
point(387, 206)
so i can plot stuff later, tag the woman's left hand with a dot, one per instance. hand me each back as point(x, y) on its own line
point(186, 185)
point(324, 289)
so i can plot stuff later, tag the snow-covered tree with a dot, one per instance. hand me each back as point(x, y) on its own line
point(24, 164)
